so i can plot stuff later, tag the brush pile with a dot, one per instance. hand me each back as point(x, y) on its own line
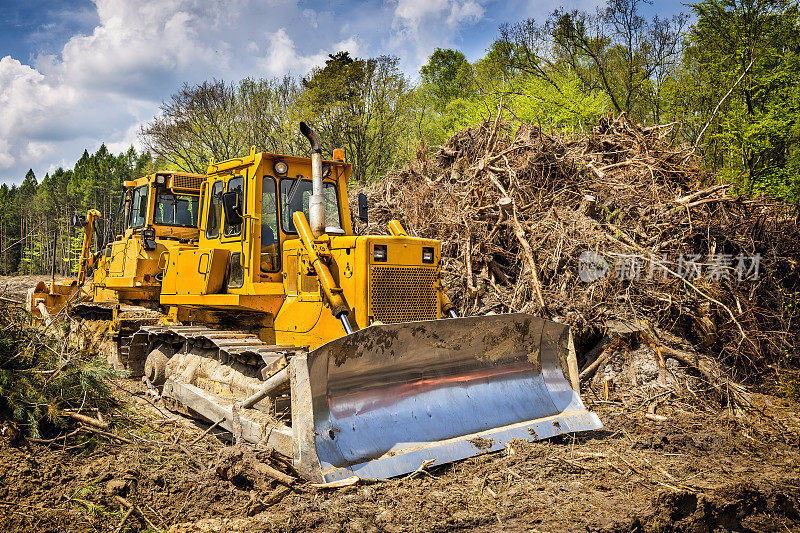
point(616, 224)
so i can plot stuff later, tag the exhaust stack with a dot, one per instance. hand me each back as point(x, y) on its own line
point(316, 204)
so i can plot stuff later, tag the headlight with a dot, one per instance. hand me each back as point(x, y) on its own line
point(427, 255)
point(379, 253)
point(161, 179)
point(280, 168)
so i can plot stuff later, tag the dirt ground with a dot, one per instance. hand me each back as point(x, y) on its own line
point(700, 470)
point(696, 472)
point(16, 287)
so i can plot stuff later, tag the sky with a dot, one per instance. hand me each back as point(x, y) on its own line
point(77, 73)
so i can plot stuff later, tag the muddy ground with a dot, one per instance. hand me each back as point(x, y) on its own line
point(699, 471)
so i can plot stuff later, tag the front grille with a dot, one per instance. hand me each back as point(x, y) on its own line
point(187, 183)
point(403, 294)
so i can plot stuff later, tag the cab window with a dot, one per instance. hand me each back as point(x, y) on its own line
point(214, 211)
point(176, 209)
point(139, 195)
point(295, 195)
point(270, 253)
point(235, 185)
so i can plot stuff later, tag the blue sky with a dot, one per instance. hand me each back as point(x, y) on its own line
point(77, 73)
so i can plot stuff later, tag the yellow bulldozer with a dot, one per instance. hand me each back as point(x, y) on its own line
point(159, 213)
point(46, 300)
point(160, 217)
point(340, 351)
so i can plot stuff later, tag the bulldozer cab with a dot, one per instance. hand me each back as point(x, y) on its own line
point(246, 230)
point(168, 202)
point(266, 190)
point(160, 213)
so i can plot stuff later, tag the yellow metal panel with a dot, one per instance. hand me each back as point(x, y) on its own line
point(116, 263)
point(188, 276)
point(325, 328)
point(215, 275)
point(222, 301)
point(120, 282)
point(198, 271)
point(296, 316)
point(170, 277)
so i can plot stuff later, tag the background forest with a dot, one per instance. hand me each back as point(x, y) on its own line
point(729, 80)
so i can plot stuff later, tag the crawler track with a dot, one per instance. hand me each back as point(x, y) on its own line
point(207, 372)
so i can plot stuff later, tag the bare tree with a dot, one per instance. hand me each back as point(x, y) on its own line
point(614, 50)
point(195, 125)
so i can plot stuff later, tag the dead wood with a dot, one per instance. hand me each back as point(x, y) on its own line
point(515, 209)
point(106, 434)
point(86, 420)
point(275, 474)
point(712, 373)
point(589, 372)
point(207, 431)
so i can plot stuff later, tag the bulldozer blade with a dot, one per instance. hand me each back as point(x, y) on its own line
point(385, 400)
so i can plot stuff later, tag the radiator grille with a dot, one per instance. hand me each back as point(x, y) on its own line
point(402, 294)
point(188, 183)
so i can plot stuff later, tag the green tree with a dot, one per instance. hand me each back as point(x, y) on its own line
point(358, 104)
point(615, 51)
point(197, 124)
point(743, 61)
point(219, 120)
point(36, 235)
point(447, 75)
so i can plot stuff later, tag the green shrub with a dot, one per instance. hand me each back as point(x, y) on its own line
point(39, 376)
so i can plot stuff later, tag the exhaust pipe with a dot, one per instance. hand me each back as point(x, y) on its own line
point(316, 204)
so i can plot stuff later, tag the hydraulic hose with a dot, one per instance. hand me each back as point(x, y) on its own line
point(333, 293)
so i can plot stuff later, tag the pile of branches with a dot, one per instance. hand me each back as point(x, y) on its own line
point(618, 223)
point(45, 384)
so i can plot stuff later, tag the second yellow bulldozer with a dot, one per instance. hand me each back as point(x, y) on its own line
point(159, 215)
point(338, 350)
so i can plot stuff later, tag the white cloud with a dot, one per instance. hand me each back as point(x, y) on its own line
point(104, 84)
point(6, 159)
point(413, 11)
point(36, 149)
point(464, 13)
point(351, 44)
point(31, 104)
point(413, 15)
point(137, 42)
point(282, 56)
point(422, 25)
